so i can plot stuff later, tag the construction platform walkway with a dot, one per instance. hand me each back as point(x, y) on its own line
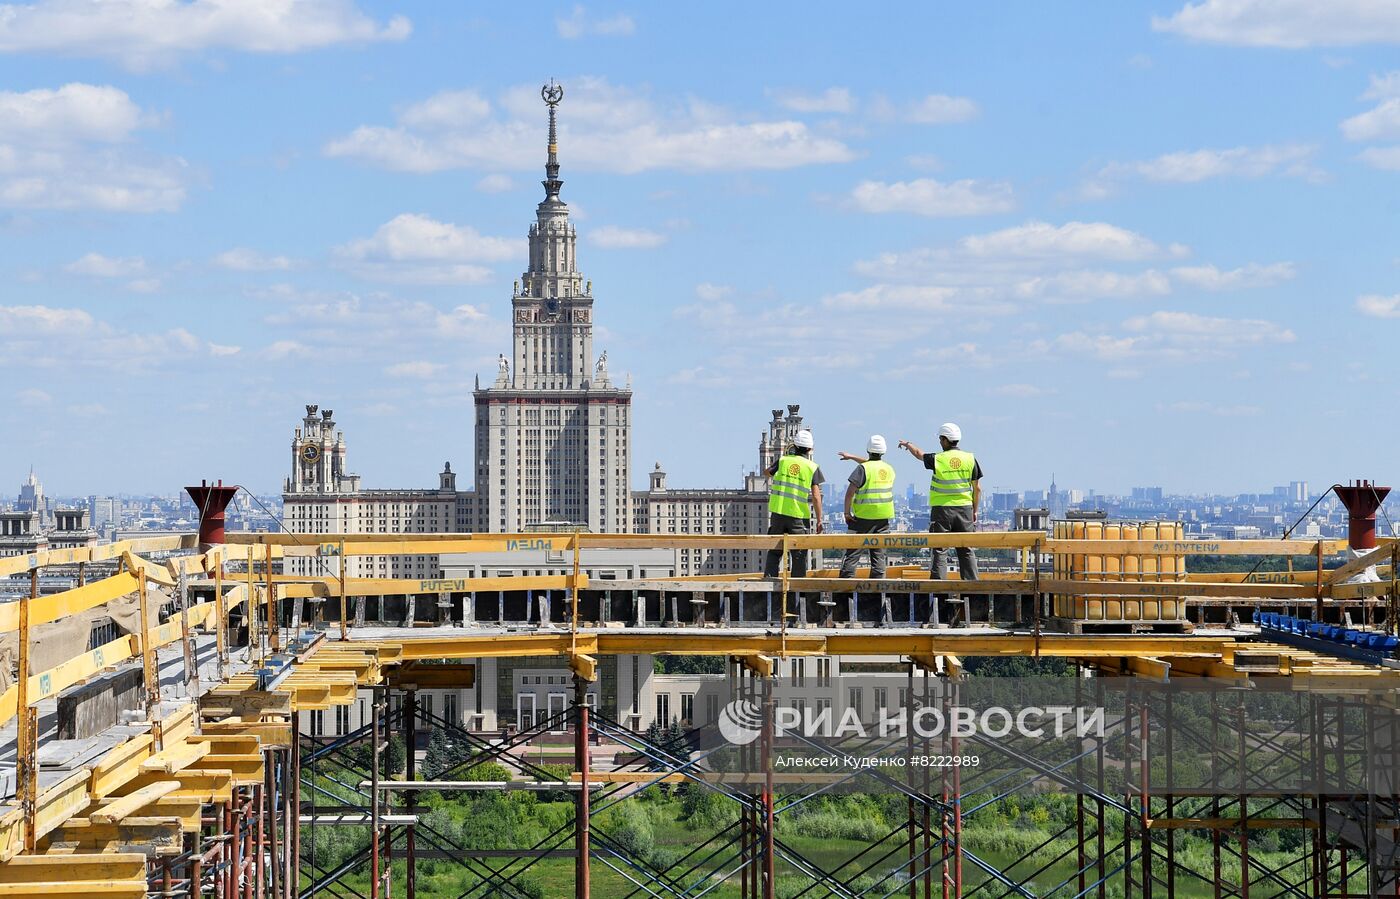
point(171, 760)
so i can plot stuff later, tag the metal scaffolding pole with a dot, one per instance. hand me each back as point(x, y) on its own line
point(582, 825)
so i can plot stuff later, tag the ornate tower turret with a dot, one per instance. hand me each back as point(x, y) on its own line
point(553, 312)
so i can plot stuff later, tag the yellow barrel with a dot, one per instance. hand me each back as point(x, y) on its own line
point(1112, 564)
point(1119, 566)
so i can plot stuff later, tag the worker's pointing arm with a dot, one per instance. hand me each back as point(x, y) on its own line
point(913, 450)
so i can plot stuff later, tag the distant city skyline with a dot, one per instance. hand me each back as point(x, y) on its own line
point(1137, 244)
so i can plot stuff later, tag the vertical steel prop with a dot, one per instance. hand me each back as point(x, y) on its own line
point(582, 825)
point(27, 750)
point(410, 727)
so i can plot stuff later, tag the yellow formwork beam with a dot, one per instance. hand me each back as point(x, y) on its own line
point(70, 602)
point(206, 785)
point(375, 586)
point(90, 868)
point(128, 805)
point(175, 757)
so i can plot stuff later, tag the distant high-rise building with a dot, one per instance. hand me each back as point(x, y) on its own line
point(1005, 502)
point(104, 511)
point(1147, 494)
point(553, 433)
point(1055, 500)
point(31, 497)
point(1298, 491)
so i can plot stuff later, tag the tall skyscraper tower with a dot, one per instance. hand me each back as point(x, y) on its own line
point(552, 433)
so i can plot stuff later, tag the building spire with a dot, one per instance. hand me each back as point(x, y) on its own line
point(552, 93)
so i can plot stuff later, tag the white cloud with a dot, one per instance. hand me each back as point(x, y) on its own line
point(1378, 306)
point(712, 292)
point(70, 148)
point(142, 33)
point(1086, 284)
point(831, 100)
point(1021, 391)
point(614, 238)
point(242, 259)
point(997, 272)
point(941, 109)
point(1194, 166)
point(47, 337)
point(447, 109)
point(602, 128)
point(579, 24)
point(1387, 158)
point(350, 320)
point(1208, 277)
point(1380, 123)
point(1189, 327)
point(144, 285)
point(1286, 23)
point(418, 369)
point(495, 184)
point(74, 112)
point(95, 265)
point(33, 396)
point(927, 196)
point(412, 248)
point(1096, 240)
point(282, 349)
point(1190, 407)
point(910, 297)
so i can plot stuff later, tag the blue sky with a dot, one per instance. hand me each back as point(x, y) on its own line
point(1122, 243)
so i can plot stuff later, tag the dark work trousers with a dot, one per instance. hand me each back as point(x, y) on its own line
point(797, 561)
point(877, 556)
point(952, 520)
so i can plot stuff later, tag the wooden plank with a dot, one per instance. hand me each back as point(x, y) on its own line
point(61, 677)
point(1359, 591)
point(121, 763)
point(246, 703)
point(175, 758)
point(32, 868)
point(115, 889)
point(205, 785)
point(1359, 564)
point(246, 769)
point(270, 734)
point(365, 586)
point(69, 602)
point(61, 801)
point(128, 805)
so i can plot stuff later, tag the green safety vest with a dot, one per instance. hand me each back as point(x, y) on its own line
point(952, 479)
point(875, 498)
point(790, 491)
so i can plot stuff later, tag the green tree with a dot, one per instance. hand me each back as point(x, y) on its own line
point(446, 750)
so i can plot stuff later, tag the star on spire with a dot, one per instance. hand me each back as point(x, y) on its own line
point(552, 93)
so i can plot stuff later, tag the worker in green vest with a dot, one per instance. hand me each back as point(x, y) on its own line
point(953, 496)
point(794, 495)
point(869, 504)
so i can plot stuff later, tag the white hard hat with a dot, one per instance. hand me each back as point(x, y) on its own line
point(951, 431)
point(876, 444)
point(803, 439)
